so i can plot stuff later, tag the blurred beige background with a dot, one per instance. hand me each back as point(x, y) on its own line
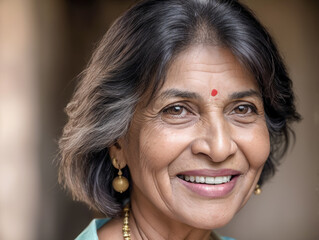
point(45, 44)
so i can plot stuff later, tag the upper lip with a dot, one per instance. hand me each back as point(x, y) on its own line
point(210, 172)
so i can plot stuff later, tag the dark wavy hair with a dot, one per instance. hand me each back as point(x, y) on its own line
point(132, 59)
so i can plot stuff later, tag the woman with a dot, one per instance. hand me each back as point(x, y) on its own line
point(182, 113)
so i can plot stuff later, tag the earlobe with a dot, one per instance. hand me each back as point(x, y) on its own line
point(116, 163)
point(116, 151)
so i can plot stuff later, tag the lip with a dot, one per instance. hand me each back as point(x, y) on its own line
point(207, 190)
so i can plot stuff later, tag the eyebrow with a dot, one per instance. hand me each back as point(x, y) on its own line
point(179, 94)
point(243, 94)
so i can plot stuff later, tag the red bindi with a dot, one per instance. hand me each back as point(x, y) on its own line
point(214, 92)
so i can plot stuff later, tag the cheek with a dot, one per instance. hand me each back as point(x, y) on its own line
point(255, 145)
point(161, 146)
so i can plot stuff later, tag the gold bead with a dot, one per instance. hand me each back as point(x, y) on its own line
point(257, 190)
point(120, 184)
point(126, 209)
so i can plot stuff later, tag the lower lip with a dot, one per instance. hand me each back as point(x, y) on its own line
point(211, 191)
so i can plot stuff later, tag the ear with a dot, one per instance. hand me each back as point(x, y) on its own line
point(116, 151)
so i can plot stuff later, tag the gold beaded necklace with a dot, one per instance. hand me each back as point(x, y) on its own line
point(127, 232)
point(126, 228)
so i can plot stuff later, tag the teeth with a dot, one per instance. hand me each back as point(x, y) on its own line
point(218, 180)
point(202, 179)
point(210, 180)
point(207, 180)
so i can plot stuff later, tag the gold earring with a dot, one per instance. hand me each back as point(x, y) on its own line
point(120, 183)
point(257, 190)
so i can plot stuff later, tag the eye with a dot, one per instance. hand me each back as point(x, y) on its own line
point(175, 111)
point(243, 109)
point(244, 113)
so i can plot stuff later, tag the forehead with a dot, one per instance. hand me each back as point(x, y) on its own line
point(212, 66)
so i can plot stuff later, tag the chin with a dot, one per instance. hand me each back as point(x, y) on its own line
point(212, 224)
point(213, 221)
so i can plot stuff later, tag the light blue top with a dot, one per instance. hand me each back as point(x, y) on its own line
point(90, 233)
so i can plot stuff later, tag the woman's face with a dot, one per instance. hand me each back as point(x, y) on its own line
point(196, 151)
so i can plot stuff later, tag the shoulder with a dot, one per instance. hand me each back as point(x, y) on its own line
point(226, 238)
point(218, 237)
point(90, 232)
point(98, 229)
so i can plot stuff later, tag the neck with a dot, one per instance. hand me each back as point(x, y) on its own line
point(148, 222)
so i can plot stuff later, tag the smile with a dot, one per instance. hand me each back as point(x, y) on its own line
point(210, 183)
point(205, 179)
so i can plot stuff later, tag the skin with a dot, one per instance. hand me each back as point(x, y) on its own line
point(181, 132)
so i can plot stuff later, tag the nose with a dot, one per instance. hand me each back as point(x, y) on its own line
point(216, 141)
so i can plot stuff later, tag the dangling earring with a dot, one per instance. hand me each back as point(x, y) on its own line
point(120, 183)
point(257, 190)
